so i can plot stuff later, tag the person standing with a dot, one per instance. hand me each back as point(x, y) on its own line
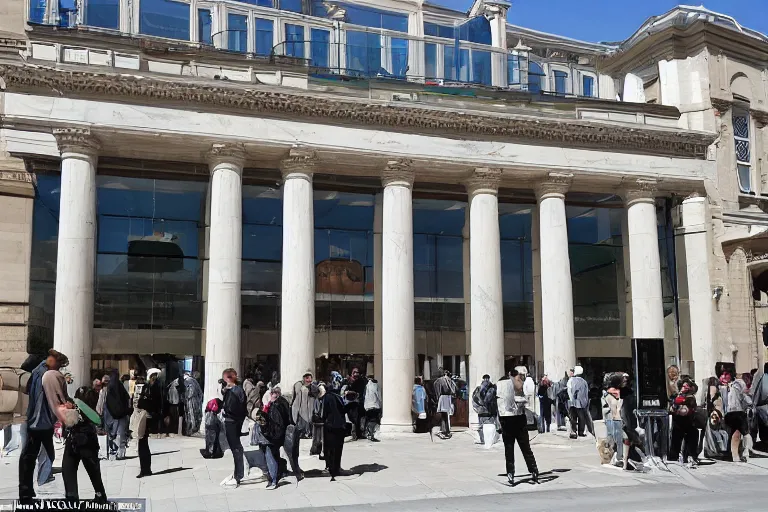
point(174, 392)
point(579, 399)
point(611, 403)
point(683, 409)
point(673, 374)
point(235, 412)
point(147, 406)
point(302, 406)
point(511, 406)
point(445, 390)
point(116, 417)
point(372, 405)
point(484, 404)
point(40, 422)
point(354, 395)
point(419, 407)
point(277, 413)
point(561, 401)
point(760, 403)
point(333, 410)
point(737, 402)
point(546, 399)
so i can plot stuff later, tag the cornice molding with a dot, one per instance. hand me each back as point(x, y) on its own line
point(230, 154)
point(484, 180)
point(721, 105)
point(556, 185)
point(574, 133)
point(77, 140)
point(398, 173)
point(300, 163)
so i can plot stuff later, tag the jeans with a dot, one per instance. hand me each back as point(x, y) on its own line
point(333, 446)
point(69, 465)
point(117, 435)
point(232, 431)
point(44, 467)
point(545, 411)
point(372, 420)
point(615, 433)
point(35, 440)
point(515, 428)
point(145, 456)
point(272, 456)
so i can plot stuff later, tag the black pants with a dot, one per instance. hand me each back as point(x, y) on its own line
point(145, 456)
point(579, 417)
point(69, 466)
point(232, 430)
point(356, 415)
point(28, 460)
point(173, 422)
point(333, 446)
point(683, 430)
point(515, 428)
point(545, 406)
point(445, 423)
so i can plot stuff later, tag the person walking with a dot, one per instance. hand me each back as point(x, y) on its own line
point(419, 407)
point(174, 391)
point(683, 406)
point(147, 406)
point(372, 406)
point(116, 417)
point(546, 395)
point(40, 422)
point(445, 390)
point(737, 402)
point(334, 427)
point(484, 404)
point(579, 398)
point(511, 406)
point(82, 445)
point(302, 406)
point(235, 412)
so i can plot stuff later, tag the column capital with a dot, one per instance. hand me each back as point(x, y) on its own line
point(484, 180)
point(300, 163)
point(398, 172)
point(640, 190)
point(226, 153)
point(556, 185)
point(77, 140)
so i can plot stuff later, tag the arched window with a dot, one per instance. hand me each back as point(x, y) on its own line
point(535, 77)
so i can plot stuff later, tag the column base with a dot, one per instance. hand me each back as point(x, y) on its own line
point(394, 429)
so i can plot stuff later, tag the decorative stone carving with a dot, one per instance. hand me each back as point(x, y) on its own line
point(721, 105)
point(760, 117)
point(23, 177)
point(398, 172)
point(571, 132)
point(227, 153)
point(76, 140)
point(301, 162)
point(484, 180)
point(557, 184)
point(641, 189)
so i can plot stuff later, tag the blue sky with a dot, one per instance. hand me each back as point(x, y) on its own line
point(613, 20)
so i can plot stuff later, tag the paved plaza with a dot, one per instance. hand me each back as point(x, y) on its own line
point(409, 472)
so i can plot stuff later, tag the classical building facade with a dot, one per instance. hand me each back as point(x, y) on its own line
point(314, 185)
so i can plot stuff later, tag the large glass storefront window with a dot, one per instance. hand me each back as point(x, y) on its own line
point(438, 264)
point(516, 266)
point(148, 275)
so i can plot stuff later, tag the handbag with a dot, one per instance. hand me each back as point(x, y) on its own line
point(700, 418)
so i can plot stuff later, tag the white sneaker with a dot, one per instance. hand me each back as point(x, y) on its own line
point(229, 482)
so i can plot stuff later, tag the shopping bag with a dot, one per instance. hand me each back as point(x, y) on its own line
point(490, 435)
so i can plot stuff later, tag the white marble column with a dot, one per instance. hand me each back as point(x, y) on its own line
point(644, 263)
point(73, 324)
point(486, 306)
point(397, 296)
point(297, 314)
point(377, 259)
point(225, 250)
point(695, 222)
point(558, 345)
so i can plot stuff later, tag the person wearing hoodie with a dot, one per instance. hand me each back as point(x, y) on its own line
point(302, 406)
point(511, 405)
point(578, 394)
point(682, 406)
point(372, 406)
point(40, 422)
point(147, 405)
point(333, 411)
point(235, 412)
point(116, 417)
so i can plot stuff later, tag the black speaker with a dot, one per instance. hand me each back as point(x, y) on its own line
point(650, 373)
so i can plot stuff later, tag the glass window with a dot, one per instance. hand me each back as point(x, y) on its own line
point(363, 53)
point(476, 30)
point(587, 85)
point(481, 67)
point(513, 69)
point(264, 36)
point(449, 63)
point(164, 18)
point(37, 11)
point(294, 40)
point(237, 32)
point(291, 5)
point(375, 18)
point(204, 24)
point(535, 77)
point(103, 13)
point(261, 3)
point(464, 65)
point(516, 266)
point(561, 81)
point(430, 60)
point(433, 29)
point(320, 47)
point(743, 153)
point(399, 56)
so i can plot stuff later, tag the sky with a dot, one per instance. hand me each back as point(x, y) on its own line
point(613, 20)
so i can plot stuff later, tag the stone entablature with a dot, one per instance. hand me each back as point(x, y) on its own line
point(549, 131)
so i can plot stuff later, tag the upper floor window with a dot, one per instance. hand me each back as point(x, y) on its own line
point(290, 5)
point(294, 40)
point(430, 60)
point(374, 18)
point(264, 36)
point(476, 30)
point(164, 18)
point(515, 69)
point(433, 29)
point(535, 77)
point(204, 26)
point(561, 81)
point(587, 85)
point(103, 13)
point(743, 150)
point(237, 32)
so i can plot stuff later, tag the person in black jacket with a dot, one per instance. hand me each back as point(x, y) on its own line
point(277, 412)
point(235, 411)
point(147, 408)
point(334, 427)
point(82, 445)
point(116, 414)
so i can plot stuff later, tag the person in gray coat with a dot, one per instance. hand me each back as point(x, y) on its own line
point(578, 395)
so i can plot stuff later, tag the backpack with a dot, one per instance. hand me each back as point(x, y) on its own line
point(173, 393)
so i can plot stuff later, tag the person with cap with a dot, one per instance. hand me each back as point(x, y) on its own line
point(578, 395)
point(302, 406)
point(146, 407)
point(40, 422)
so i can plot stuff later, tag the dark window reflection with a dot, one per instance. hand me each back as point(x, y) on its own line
point(148, 275)
point(344, 260)
point(516, 266)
